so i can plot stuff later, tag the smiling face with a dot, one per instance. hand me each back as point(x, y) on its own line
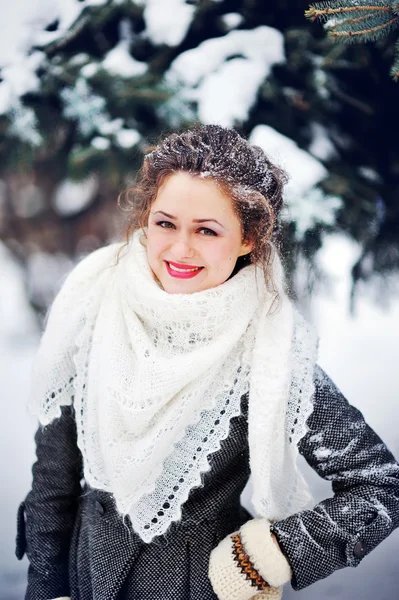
point(194, 236)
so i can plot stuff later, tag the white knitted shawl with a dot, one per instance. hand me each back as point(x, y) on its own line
point(155, 379)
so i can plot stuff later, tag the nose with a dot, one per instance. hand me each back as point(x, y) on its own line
point(182, 246)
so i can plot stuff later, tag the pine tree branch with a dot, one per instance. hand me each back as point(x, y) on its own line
point(348, 21)
point(395, 72)
point(358, 104)
point(149, 94)
point(370, 30)
point(374, 21)
point(314, 13)
point(395, 66)
point(75, 30)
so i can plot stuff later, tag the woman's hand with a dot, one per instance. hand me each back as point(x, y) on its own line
point(249, 564)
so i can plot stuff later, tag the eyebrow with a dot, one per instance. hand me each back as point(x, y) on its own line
point(161, 212)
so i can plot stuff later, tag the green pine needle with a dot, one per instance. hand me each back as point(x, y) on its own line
point(350, 21)
point(395, 66)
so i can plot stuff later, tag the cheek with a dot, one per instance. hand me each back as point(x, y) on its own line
point(224, 256)
point(155, 243)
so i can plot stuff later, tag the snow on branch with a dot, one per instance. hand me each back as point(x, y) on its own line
point(306, 205)
point(223, 75)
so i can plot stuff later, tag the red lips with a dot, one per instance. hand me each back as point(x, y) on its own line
point(182, 271)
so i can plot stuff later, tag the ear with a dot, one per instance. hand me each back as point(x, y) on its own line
point(246, 247)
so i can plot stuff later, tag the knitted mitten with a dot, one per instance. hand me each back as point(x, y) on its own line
point(248, 564)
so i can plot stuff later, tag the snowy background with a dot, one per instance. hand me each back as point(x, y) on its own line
point(359, 353)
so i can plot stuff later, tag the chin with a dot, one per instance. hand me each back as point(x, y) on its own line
point(181, 287)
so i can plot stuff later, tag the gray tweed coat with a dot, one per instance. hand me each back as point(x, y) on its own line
point(78, 546)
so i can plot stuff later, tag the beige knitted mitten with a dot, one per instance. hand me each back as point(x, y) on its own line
point(248, 564)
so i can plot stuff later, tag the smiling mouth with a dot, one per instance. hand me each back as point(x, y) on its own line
point(182, 271)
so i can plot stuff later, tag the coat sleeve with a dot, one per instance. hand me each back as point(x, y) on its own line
point(47, 515)
point(341, 530)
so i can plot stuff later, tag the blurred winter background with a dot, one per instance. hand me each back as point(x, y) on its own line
point(87, 85)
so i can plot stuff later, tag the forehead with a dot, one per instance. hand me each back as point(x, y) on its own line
point(188, 192)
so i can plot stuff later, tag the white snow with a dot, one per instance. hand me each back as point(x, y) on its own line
point(305, 204)
point(321, 453)
point(44, 274)
point(382, 510)
point(232, 20)
point(68, 12)
point(100, 143)
point(358, 352)
point(20, 76)
point(3, 201)
point(369, 173)
point(167, 22)
point(90, 70)
point(77, 60)
point(18, 342)
point(223, 84)
point(6, 97)
point(304, 170)
point(263, 44)
point(17, 322)
point(320, 78)
point(127, 138)
point(24, 123)
point(18, 79)
point(111, 127)
point(23, 28)
point(71, 197)
point(82, 104)
point(309, 209)
point(321, 146)
point(26, 23)
point(118, 61)
point(219, 86)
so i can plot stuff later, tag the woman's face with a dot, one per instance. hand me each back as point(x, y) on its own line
point(194, 236)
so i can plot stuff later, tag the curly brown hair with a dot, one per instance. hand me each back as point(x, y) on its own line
point(243, 171)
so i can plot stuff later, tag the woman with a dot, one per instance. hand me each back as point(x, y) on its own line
point(171, 367)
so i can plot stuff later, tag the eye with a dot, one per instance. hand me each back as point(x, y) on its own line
point(206, 231)
point(165, 224)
